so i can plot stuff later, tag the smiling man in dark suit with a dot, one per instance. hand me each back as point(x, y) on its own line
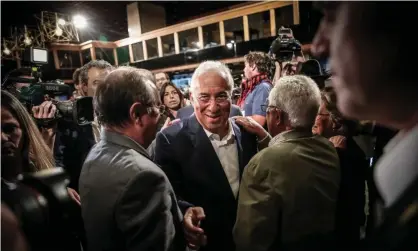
point(204, 157)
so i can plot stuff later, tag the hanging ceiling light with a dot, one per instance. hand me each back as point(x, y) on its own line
point(6, 51)
point(58, 31)
point(61, 21)
point(79, 21)
point(27, 40)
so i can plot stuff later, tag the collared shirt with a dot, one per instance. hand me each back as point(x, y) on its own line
point(398, 167)
point(227, 151)
point(95, 126)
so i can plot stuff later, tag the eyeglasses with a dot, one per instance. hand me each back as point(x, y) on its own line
point(264, 108)
point(220, 99)
point(154, 109)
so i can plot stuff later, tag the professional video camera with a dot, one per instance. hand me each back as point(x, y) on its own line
point(34, 92)
point(285, 46)
point(48, 216)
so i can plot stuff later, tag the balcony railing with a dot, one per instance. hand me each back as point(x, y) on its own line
point(192, 35)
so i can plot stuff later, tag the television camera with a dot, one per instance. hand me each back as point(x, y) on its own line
point(48, 216)
point(27, 85)
point(285, 46)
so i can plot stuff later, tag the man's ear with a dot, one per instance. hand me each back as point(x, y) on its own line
point(191, 98)
point(279, 114)
point(135, 112)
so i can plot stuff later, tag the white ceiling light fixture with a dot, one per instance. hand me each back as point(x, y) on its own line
point(79, 21)
point(6, 51)
point(58, 31)
point(27, 40)
point(61, 21)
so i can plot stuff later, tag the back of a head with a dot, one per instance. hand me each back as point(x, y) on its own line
point(262, 60)
point(299, 97)
point(119, 91)
point(148, 74)
point(212, 66)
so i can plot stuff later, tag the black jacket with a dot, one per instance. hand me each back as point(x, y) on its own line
point(186, 155)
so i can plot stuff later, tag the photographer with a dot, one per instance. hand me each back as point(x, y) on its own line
point(22, 148)
point(70, 142)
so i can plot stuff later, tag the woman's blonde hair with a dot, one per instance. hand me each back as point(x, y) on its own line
point(34, 145)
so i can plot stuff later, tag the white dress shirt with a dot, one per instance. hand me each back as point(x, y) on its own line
point(398, 167)
point(227, 151)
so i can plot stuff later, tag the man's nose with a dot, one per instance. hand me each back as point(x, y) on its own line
point(320, 43)
point(213, 106)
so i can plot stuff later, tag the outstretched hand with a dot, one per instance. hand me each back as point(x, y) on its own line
point(195, 235)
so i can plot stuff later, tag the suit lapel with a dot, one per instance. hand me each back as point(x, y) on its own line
point(207, 160)
point(238, 139)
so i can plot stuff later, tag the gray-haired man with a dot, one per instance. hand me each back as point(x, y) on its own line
point(127, 201)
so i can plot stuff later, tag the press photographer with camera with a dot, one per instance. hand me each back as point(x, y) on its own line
point(70, 141)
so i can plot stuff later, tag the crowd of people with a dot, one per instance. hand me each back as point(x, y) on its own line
point(282, 169)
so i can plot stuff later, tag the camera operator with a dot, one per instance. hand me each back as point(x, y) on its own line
point(22, 148)
point(71, 143)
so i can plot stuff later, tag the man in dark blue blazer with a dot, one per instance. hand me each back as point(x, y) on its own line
point(188, 111)
point(204, 156)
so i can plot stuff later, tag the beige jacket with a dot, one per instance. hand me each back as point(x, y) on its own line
point(288, 191)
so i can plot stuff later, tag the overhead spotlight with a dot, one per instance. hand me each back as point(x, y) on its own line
point(27, 40)
point(6, 51)
point(58, 31)
point(61, 21)
point(229, 45)
point(79, 21)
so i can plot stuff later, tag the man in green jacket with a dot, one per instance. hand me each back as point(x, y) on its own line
point(288, 192)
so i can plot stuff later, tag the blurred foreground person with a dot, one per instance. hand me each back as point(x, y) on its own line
point(127, 201)
point(204, 157)
point(354, 166)
point(288, 194)
point(12, 237)
point(375, 81)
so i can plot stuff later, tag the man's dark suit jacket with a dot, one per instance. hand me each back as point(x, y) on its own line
point(186, 155)
point(187, 111)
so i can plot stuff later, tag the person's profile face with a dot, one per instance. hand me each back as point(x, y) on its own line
point(248, 70)
point(361, 83)
point(95, 75)
point(212, 102)
point(161, 79)
point(11, 134)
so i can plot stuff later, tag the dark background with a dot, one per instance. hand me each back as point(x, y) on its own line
point(108, 19)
